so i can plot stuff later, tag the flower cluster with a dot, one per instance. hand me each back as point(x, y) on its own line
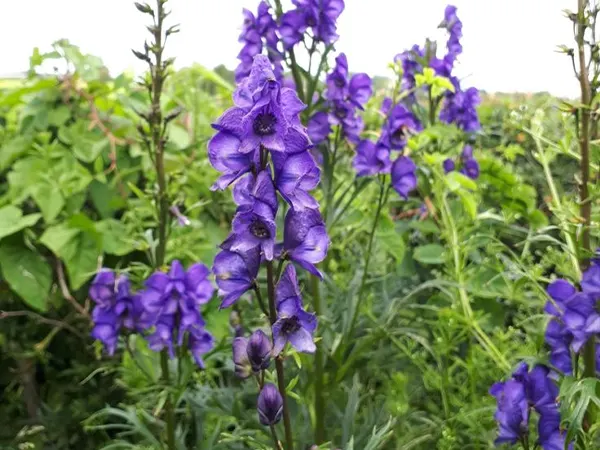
point(167, 309)
point(470, 166)
point(375, 158)
point(344, 96)
point(116, 307)
point(575, 317)
point(527, 390)
point(261, 145)
point(320, 16)
point(258, 32)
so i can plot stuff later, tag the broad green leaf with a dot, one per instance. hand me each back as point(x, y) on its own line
point(14, 149)
point(456, 180)
point(469, 203)
point(59, 239)
point(49, 199)
point(27, 273)
point(82, 259)
point(392, 240)
point(429, 254)
point(115, 237)
point(13, 220)
point(87, 144)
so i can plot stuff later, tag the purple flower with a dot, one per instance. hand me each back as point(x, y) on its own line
point(182, 220)
point(460, 109)
point(270, 405)
point(590, 280)
point(254, 227)
point(243, 369)
point(106, 328)
point(401, 123)
point(259, 351)
point(581, 318)
point(371, 158)
point(305, 239)
point(344, 114)
point(162, 337)
point(559, 339)
point(200, 342)
point(410, 66)
point(318, 15)
point(318, 127)
point(337, 80)
point(251, 190)
point(449, 165)
point(235, 272)
point(293, 325)
point(404, 176)
point(102, 289)
point(512, 414)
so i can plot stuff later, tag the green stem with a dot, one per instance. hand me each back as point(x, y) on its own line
point(279, 361)
point(432, 107)
point(170, 410)
point(480, 335)
point(380, 202)
point(319, 373)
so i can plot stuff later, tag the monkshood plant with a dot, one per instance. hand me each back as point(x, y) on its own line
point(166, 310)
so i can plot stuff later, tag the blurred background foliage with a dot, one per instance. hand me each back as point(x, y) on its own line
point(72, 184)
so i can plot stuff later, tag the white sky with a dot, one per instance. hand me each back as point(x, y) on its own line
point(509, 45)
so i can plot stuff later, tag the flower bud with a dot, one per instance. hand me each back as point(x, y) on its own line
point(270, 405)
point(259, 351)
point(240, 357)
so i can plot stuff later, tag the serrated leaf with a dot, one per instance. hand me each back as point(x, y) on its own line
point(115, 237)
point(429, 254)
point(27, 273)
point(13, 220)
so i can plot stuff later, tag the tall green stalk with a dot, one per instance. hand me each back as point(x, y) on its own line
point(155, 139)
point(589, 354)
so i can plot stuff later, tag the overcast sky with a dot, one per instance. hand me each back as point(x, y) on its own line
point(509, 45)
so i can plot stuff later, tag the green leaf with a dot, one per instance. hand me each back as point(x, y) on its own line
point(391, 239)
point(49, 199)
point(429, 254)
point(469, 203)
point(14, 149)
point(13, 220)
point(27, 273)
point(59, 238)
point(87, 144)
point(456, 180)
point(115, 237)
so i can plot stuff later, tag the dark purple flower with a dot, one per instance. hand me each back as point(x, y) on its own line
point(371, 158)
point(200, 342)
point(337, 79)
point(305, 239)
point(344, 114)
point(410, 66)
point(590, 280)
point(454, 26)
point(512, 413)
point(582, 318)
point(318, 15)
point(102, 289)
point(470, 169)
point(404, 176)
point(318, 127)
point(254, 227)
point(259, 351)
point(162, 337)
point(235, 272)
point(251, 190)
point(559, 339)
point(243, 369)
point(270, 405)
point(460, 109)
point(182, 220)
point(559, 291)
point(449, 165)
point(400, 124)
point(293, 325)
point(295, 175)
point(386, 105)
point(360, 89)
point(106, 328)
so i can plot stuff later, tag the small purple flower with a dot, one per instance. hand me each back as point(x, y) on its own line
point(270, 405)
point(102, 289)
point(305, 239)
point(404, 176)
point(162, 337)
point(371, 158)
point(254, 227)
point(590, 281)
point(293, 325)
point(106, 328)
point(259, 351)
point(449, 165)
point(182, 220)
point(337, 80)
point(318, 127)
point(200, 342)
point(470, 169)
point(235, 273)
point(512, 414)
point(582, 319)
point(460, 108)
point(401, 123)
point(251, 190)
point(243, 369)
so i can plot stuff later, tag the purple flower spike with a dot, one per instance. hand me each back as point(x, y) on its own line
point(305, 238)
point(404, 176)
point(293, 325)
point(270, 405)
point(235, 273)
point(371, 159)
point(318, 15)
point(259, 351)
